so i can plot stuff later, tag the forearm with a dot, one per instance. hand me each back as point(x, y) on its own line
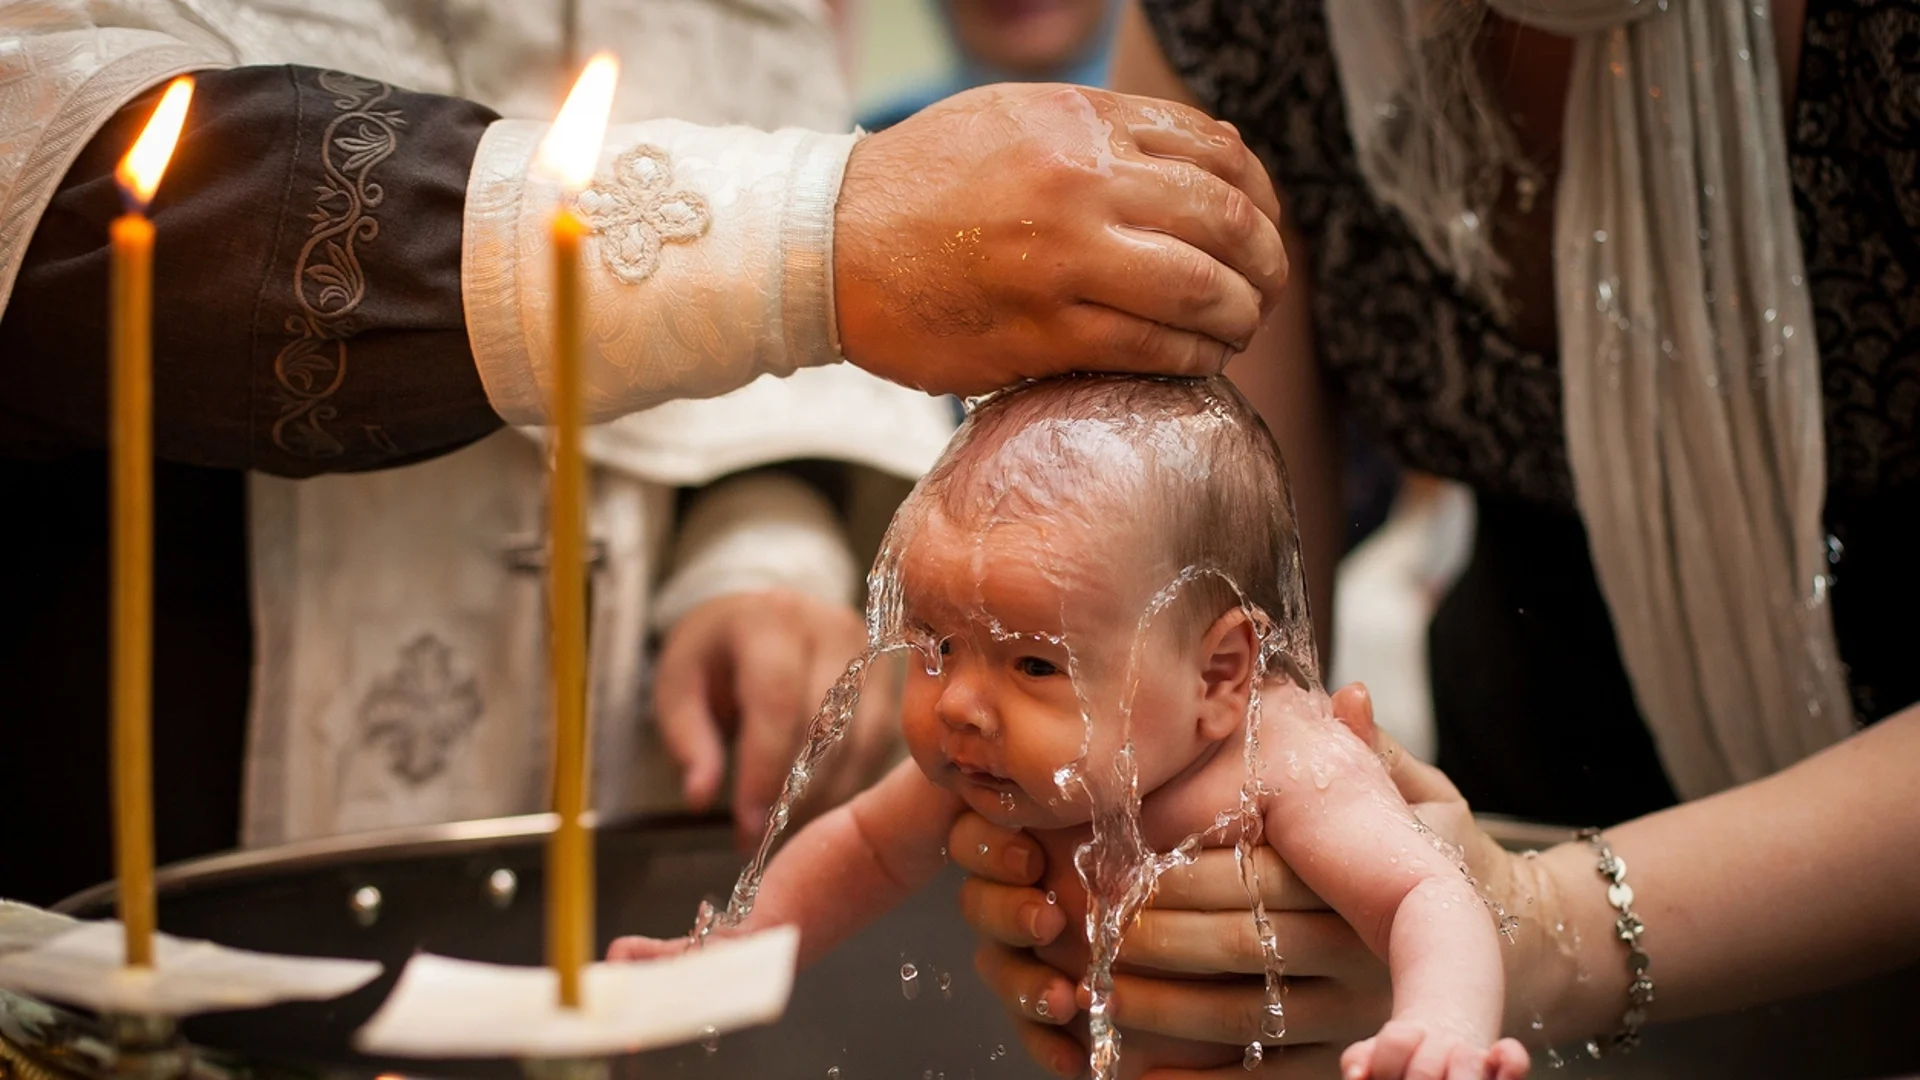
point(307, 312)
point(1802, 880)
point(857, 862)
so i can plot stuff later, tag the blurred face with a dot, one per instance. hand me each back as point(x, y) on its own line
point(1026, 38)
point(990, 710)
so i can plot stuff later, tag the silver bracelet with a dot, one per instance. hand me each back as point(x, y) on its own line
point(1613, 870)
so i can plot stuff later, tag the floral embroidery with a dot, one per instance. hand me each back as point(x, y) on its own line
point(635, 214)
point(421, 710)
point(328, 281)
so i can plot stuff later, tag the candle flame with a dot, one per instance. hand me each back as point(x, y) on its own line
point(571, 149)
point(139, 172)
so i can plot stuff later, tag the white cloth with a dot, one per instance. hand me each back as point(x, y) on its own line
point(1692, 386)
point(399, 674)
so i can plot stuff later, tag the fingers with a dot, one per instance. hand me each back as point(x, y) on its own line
point(1508, 1060)
point(1288, 1062)
point(1161, 277)
point(1212, 882)
point(1317, 1010)
point(770, 679)
point(1103, 338)
point(683, 703)
point(1010, 914)
point(1052, 1049)
point(1196, 942)
point(986, 850)
point(1197, 207)
point(1169, 130)
point(629, 949)
point(1028, 988)
point(1393, 1049)
point(1353, 707)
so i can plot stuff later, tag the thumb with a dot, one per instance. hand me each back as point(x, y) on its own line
point(1418, 781)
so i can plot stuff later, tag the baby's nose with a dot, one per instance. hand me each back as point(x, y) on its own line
point(962, 705)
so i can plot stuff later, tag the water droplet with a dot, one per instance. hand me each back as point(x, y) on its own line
point(1707, 191)
point(943, 851)
point(1599, 236)
point(999, 1051)
point(1052, 897)
point(1786, 331)
point(982, 849)
point(1469, 220)
point(1251, 1059)
point(1273, 1020)
point(1554, 1060)
point(1006, 802)
point(1835, 550)
point(1819, 596)
point(710, 1038)
point(945, 983)
point(833, 1072)
point(1041, 1008)
point(1538, 1024)
point(909, 981)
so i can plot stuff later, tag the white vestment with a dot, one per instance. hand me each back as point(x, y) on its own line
point(399, 669)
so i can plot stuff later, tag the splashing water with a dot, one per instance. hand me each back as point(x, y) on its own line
point(828, 727)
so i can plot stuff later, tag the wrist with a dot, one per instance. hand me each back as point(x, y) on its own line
point(1576, 985)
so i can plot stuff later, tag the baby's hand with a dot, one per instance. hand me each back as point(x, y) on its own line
point(645, 948)
point(1404, 1049)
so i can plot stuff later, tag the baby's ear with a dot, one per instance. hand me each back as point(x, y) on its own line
point(1227, 661)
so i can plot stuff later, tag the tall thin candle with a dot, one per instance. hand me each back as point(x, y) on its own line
point(131, 441)
point(569, 155)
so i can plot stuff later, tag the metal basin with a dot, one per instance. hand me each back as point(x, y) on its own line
point(474, 890)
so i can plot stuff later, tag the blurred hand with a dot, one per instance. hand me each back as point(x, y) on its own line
point(1019, 231)
point(1338, 992)
point(754, 667)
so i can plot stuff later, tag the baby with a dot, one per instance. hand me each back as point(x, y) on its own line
point(1032, 569)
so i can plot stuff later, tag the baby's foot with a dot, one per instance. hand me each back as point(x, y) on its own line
point(1407, 1051)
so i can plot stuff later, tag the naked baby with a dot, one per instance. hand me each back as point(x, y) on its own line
point(1098, 571)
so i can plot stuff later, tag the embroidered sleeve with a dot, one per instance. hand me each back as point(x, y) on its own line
point(307, 312)
point(710, 263)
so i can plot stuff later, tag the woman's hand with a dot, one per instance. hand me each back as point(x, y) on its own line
point(1337, 990)
point(1019, 231)
point(755, 667)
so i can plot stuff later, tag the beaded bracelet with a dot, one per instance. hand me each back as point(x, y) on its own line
point(1613, 870)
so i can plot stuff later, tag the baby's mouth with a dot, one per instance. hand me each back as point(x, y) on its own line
point(983, 777)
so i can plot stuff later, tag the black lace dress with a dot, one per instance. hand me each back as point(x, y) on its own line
point(1535, 713)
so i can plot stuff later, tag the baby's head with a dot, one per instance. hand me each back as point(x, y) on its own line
point(1077, 569)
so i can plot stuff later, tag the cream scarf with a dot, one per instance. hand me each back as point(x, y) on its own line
point(1692, 384)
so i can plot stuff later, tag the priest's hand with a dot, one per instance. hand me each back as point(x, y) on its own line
point(1019, 231)
point(752, 668)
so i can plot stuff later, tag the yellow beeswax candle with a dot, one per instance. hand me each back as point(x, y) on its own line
point(130, 439)
point(569, 154)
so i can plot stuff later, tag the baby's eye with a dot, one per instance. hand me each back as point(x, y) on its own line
point(1035, 668)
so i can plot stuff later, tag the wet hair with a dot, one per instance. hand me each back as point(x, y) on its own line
point(1182, 470)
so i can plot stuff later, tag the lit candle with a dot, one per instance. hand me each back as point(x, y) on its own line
point(131, 440)
point(568, 155)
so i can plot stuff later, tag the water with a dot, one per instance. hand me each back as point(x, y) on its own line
point(1252, 1058)
point(828, 727)
point(1117, 866)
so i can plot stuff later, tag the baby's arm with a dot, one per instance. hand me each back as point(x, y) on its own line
point(850, 866)
point(1337, 820)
